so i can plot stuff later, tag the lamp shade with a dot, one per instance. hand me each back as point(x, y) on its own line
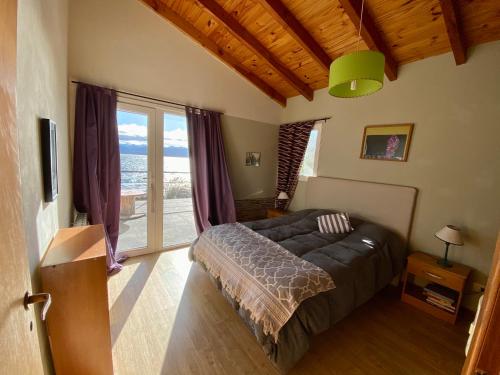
point(365, 68)
point(283, 195)
point(450, 234)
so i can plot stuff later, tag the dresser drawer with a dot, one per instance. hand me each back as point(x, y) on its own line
point(436, 274)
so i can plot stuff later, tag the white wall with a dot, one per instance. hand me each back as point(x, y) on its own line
point(242, 136)
point(125, 45)
point(42, 93)
point(454, 158)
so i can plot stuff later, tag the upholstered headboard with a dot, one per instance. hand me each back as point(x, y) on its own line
point(389, 205)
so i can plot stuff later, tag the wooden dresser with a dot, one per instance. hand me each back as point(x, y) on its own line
point(74, 272)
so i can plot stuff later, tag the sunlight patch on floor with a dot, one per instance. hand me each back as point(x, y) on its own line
point(148, 289)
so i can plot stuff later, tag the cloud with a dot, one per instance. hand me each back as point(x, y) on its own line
point(134, 134)
point(135, 143)
point(133, 130)
point(177, 138)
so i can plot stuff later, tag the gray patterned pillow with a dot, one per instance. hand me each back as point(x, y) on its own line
point(335, 223)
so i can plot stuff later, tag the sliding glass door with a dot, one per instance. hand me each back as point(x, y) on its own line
point(178, 220)
point(156, 206)
point(136, 134)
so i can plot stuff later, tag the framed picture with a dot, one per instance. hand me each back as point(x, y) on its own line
point(49, 159)
point(252, 159)
point(386, 142)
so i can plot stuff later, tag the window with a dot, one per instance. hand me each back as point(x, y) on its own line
point(310, 163)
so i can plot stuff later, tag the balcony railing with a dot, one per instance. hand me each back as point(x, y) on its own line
point(178, 219)
point(176, 185)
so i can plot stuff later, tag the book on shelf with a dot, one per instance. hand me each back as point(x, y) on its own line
point(439, 301)
point(446, 308)
point(441, 292)
point(444, 301)
point(440, 296)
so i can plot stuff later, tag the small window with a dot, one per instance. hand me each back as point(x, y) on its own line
point(310, 163)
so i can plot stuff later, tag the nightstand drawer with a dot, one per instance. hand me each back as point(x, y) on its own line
point(436, 274)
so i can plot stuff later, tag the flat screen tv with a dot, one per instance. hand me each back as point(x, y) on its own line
point(49, 159)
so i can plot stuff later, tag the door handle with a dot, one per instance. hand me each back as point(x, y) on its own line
point(44, 298)
point(433, 275)
point(153, 197)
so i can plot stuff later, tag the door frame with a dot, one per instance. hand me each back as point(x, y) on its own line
point(20, 348)
point(486, 337)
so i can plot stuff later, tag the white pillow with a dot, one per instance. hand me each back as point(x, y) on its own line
point(335, 223)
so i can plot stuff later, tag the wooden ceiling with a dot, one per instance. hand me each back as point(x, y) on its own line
point(285, 47)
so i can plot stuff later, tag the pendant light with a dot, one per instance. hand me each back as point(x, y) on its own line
point(359, 73)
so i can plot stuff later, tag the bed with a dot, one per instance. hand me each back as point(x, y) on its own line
point(360, 263)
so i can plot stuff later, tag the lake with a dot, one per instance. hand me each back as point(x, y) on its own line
point(134, 171)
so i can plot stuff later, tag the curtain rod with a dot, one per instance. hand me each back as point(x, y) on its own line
point(322, 119)
point(151, 98)
point(315, 120)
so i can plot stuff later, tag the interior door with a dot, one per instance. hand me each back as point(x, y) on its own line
point(19, 350)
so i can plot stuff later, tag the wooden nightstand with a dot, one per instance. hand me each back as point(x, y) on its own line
point(423, 267)
point(276, 212)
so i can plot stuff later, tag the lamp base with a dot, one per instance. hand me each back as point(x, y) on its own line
point(444, 263)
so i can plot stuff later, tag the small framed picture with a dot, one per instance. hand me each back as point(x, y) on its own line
point(386, 142)
point(252, 159)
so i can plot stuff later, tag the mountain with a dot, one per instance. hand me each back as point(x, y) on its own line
point(180, 152)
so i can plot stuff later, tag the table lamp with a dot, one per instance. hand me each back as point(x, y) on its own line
point(449, 235)
point(282, 196)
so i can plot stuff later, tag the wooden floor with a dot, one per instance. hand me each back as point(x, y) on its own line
point(168, 318)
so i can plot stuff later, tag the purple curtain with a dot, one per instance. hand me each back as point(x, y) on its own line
point(96, 163)
point(213, 201)
point(292, 146)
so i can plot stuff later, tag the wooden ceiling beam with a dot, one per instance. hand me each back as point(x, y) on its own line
point(288, 21)
point(255, 46)
point(370, 35)
point(163, 10)
point(451, 21)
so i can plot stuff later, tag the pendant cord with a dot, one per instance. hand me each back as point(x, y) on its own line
point(360, 24)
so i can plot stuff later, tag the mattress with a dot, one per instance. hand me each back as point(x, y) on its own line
point(361, 263)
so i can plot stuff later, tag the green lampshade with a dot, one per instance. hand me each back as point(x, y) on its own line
point(364, 67)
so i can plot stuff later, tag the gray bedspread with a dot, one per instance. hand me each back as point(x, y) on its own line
point(360, 263)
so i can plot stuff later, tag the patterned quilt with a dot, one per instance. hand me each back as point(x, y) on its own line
point(263, 277)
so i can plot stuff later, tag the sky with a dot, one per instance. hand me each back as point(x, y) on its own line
point(308, 164)
point(132, 129)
